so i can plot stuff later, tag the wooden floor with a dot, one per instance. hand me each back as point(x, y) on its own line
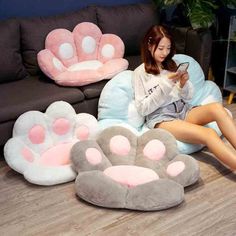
point(209, 208)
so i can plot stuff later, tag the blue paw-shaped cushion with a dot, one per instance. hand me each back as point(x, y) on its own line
point(41, 143)
point(122, 170)
point(116, 104)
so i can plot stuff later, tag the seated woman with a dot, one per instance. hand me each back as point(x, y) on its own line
point(162, 93)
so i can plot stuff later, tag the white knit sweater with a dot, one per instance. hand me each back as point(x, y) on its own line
point(154, 91)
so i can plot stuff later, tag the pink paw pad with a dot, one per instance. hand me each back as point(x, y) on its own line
point(82, 132)
point(93, 156)
point(87, 37)
point(120, 145)
point(61, 126)
point(37, 134)
point(110, 48)
point(175, 168)
point(27, 154)
point(131, 176)
point(58, 155)
point(154, 150)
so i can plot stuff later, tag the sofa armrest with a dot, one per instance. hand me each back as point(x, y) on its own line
point(196, 44)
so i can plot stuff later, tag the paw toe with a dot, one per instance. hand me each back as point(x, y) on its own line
point(183, 169)
point(87, 155)
point(111, 47)
point(175, 168)
point(61, 43)
point(86, 126)
point(87, 37)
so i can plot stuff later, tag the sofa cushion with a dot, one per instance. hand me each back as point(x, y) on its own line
point(35, 30)
point(134, 61)
point(118, 20)
point(93, 90)
point(10, 60)
point(33, 94)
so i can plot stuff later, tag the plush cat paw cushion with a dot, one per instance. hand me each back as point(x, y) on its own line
point(83, 56)
point(122, 170)
point(41, 143)
point(116, 103)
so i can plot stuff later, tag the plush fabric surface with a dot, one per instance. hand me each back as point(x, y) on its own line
point(116, 103)
point(41, 143)
point(11, 61)
point(83, 56)
point(145, 15)
point(35, 96)
point(122, 170)
point(33, 38)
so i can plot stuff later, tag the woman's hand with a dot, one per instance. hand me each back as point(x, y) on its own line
point(174, 76)
point(183, 78)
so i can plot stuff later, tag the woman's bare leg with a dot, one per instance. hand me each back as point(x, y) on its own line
point(214, 112)
point(192, 133)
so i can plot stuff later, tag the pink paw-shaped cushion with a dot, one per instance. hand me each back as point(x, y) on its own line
point(83, 56)
point(41, 143)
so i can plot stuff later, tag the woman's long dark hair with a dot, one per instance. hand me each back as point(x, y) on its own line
point(152, 38)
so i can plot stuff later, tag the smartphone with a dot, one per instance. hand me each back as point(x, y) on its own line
point(183, 66)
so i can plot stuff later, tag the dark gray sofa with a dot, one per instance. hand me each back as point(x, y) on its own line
point(24, 87)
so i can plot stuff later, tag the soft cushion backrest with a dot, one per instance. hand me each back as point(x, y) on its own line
point(35, 30)
point(117, 98)
point(204, 91)
point(116, 103)
point(129, 22)
point(197, 76)
point(10, 60)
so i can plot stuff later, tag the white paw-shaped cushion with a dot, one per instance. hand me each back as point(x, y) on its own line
point(116, 103)
point(122, 170)
point(83, 56)
point(41, 143)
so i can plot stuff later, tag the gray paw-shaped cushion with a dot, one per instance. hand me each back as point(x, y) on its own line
point(122, 170)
